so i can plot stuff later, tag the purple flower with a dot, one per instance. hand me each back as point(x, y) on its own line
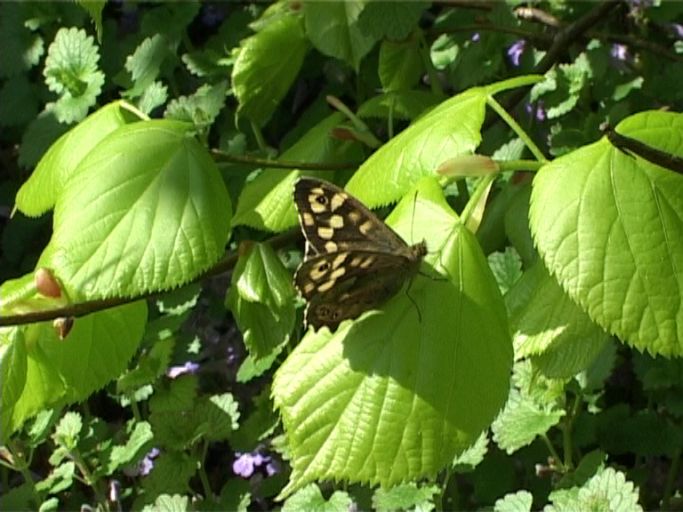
point(246, 463)
point(475, 37)
point(537, 111)
point(145, 465)
point(176, 371)
point(515, 52)
point(619, 52)
point(676, 30)
point(114, 490)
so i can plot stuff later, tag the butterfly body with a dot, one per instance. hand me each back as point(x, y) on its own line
point(353, 261)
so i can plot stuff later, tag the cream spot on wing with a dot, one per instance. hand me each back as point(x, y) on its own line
point(367, 262)
point(355, 217)
point(336, 274)
point(308, 288)
point(320, 270)
point(337, 201)
point(339, 259)
point(330, 246)
point(336, 221)
point(356, 261)
point(366, 227)
point(326, 285)
point(325, 233)
point(307, 219)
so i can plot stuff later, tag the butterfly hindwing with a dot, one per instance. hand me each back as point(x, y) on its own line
point(353, 261)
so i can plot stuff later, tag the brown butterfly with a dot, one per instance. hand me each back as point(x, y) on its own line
point(353, 261)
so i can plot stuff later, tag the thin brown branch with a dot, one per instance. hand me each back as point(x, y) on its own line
point(536, 14)
point(281, 164)
point(226, 264)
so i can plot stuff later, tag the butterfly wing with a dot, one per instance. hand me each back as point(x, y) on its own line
point(342, 291)
point(333, 221)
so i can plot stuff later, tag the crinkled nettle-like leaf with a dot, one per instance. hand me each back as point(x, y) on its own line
point(267, 202)
point(96, 350)
point(261, 298)
point(520, 501)
point(170, 503)
point(201, 108)
point(71, 71)
point(506, 267)
point(609, 227)
point(20, 48)
point(172, 471)
point(153, 96)
point(405, 497)
point(310, 498)
point(391, 20)
point(144, 64)
point(394, 395)
point(261, 76)
point(522, 420)
point(94, 8)
point(547, 324)
point(145, 210)
point(46, 184)
point(608, 490)
point(125, 453)
point(59, 479)
point(448, 130)
point(472, 456)
point(333, 29)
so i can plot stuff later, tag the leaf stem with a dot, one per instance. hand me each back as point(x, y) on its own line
point(281, 164)
point(671, 477)
point(510, 121)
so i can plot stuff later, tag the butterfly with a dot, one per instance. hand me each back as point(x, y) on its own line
point(353, 261)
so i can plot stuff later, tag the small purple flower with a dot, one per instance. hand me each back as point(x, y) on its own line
point(176, 371)
point(114, 490)
point(246, 463)
point(475, 37)
point(515, 52)
point(537, 111)
point(619, 52)
point(143, 467)
point(676, 30)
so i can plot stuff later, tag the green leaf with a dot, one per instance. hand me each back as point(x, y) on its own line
point(71, 71)
point(506, 267)
point(310, 498)
point(96, 351)
point(145, 63)
point(266, 202)
point(172, 472)
point(94, 8)
point(152, 176)
point(169, 503)
point(260, 76)
point(39, 135)
point(590, 464)
point(149, 366)
point(68, 430)
point(448, 130)
point(522, 420)
point(391, 20)
point(548, 325)
point(152, 97)
point(333, 28)
point(607, 491)
point(405, 497)
point(252, 367)
point(520, 501)
point(658, 373)
point(201, 108)
point(472, 456)
point(59, 479)
point(18, 101)
point(220, 413)
point(20, 48)
point(400, 64)
point(124, 454)
point(609, 227)
point(395, 394)
point(260, 424)
point(46, 183)
point(399, 105)
point(13, 368)
point(262, 300)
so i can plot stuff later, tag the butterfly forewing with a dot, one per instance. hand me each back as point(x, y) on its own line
point(353, 261)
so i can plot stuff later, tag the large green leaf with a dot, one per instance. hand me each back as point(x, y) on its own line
point(145, 210)
point(46, 184)
point(396, 394)
point(97, 350)
point(333, 29)
point(609, 227)
point(261, 76)
point(267, 202)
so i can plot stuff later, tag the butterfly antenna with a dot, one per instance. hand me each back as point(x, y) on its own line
point(417, 308)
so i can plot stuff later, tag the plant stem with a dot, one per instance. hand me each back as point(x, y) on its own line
point(206, 486)
point(497, 107)
point(553, 452)
point(671, 478)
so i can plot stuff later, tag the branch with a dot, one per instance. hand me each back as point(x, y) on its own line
point(92, 306)
point(281, 164)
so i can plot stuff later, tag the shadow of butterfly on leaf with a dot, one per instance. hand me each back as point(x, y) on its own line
point(353, 261)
